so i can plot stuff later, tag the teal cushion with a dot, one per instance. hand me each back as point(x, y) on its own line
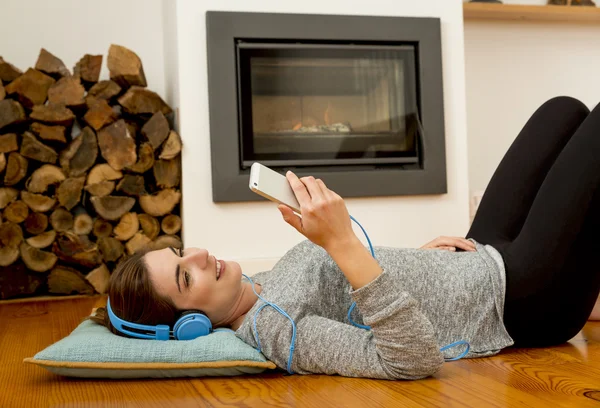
point(92, 351)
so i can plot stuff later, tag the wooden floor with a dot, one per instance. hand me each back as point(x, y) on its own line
point(564, 376)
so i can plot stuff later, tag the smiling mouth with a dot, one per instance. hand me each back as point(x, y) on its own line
point(220, 268)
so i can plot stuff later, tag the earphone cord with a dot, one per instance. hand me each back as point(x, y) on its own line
point(457, 343)
point(293, 342)
point(280, 310)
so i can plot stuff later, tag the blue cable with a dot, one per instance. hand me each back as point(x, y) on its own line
point(366, 235)
point(457, 343)
point(354, 303)
point(280, 310)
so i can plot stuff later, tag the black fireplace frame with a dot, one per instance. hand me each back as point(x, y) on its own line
point(230, 181)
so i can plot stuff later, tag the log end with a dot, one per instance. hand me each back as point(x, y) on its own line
point(125, 67)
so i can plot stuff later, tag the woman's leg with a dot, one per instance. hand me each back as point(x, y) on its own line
point(555, 314)
point(546, 303)
point(516, 181)
point(552, 277)
point(557, 216)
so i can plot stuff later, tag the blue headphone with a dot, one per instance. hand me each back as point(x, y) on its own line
point(192, 324)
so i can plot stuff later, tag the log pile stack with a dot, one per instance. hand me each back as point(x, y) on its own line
point(89, 173)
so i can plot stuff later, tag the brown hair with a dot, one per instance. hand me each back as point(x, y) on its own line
point(133, 297)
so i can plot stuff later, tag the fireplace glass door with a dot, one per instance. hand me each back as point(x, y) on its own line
point(327, 104)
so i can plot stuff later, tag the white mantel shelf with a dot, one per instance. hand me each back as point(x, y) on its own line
point(514, 12)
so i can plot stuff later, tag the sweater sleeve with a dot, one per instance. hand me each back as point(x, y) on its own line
point(400, 345)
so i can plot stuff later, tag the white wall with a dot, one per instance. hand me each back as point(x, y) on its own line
point(255, 230)
point(171, 56)
point(170, 38)
point(72, 28)
point(511, 69)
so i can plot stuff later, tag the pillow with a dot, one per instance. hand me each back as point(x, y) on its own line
point(92, 351)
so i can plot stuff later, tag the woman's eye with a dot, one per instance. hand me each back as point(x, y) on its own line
point(186, 278)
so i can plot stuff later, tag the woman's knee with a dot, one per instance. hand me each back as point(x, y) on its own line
point(565, 106)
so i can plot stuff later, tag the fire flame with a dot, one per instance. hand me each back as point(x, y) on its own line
point(326, 115)
point(326, 118)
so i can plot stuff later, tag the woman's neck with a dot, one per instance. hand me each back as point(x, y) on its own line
point(247, 300)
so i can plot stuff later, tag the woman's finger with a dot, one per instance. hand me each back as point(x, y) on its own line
point(313, 188)
point(456, 242)
point(429, 245)
point(290, 217)
point(464, 244)
point(443, 247)
point(300, 190)
point(447, 248)
point(327, 193)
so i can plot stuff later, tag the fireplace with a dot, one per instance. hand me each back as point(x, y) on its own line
point(324, 104)
point(354, 100)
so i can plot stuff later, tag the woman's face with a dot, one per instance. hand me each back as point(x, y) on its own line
point(189, 278)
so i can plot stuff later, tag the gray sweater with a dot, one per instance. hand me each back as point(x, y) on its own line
point(423, 300)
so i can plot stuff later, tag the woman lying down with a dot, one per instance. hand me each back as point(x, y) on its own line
point(526, 275)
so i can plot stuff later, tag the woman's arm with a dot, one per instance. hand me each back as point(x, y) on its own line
point(356, 262)
point(400, 345)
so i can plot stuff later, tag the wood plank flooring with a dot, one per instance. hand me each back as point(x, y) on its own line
point(563, 376)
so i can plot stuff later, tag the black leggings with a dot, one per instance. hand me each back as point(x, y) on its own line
point(541, 211)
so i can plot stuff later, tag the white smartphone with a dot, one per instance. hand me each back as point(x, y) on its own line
point(273, 186)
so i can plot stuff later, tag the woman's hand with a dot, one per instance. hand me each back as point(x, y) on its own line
point(324, 217)
point(325, 221)
point(450, 244)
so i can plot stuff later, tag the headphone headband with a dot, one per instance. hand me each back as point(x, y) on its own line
point(192, 324)
point(159, 332)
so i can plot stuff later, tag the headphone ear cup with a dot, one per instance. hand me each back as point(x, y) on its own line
point(191, 325)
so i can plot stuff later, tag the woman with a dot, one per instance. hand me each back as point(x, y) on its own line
point(526, 275)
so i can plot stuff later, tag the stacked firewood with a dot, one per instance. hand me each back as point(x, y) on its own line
point(89, 173)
